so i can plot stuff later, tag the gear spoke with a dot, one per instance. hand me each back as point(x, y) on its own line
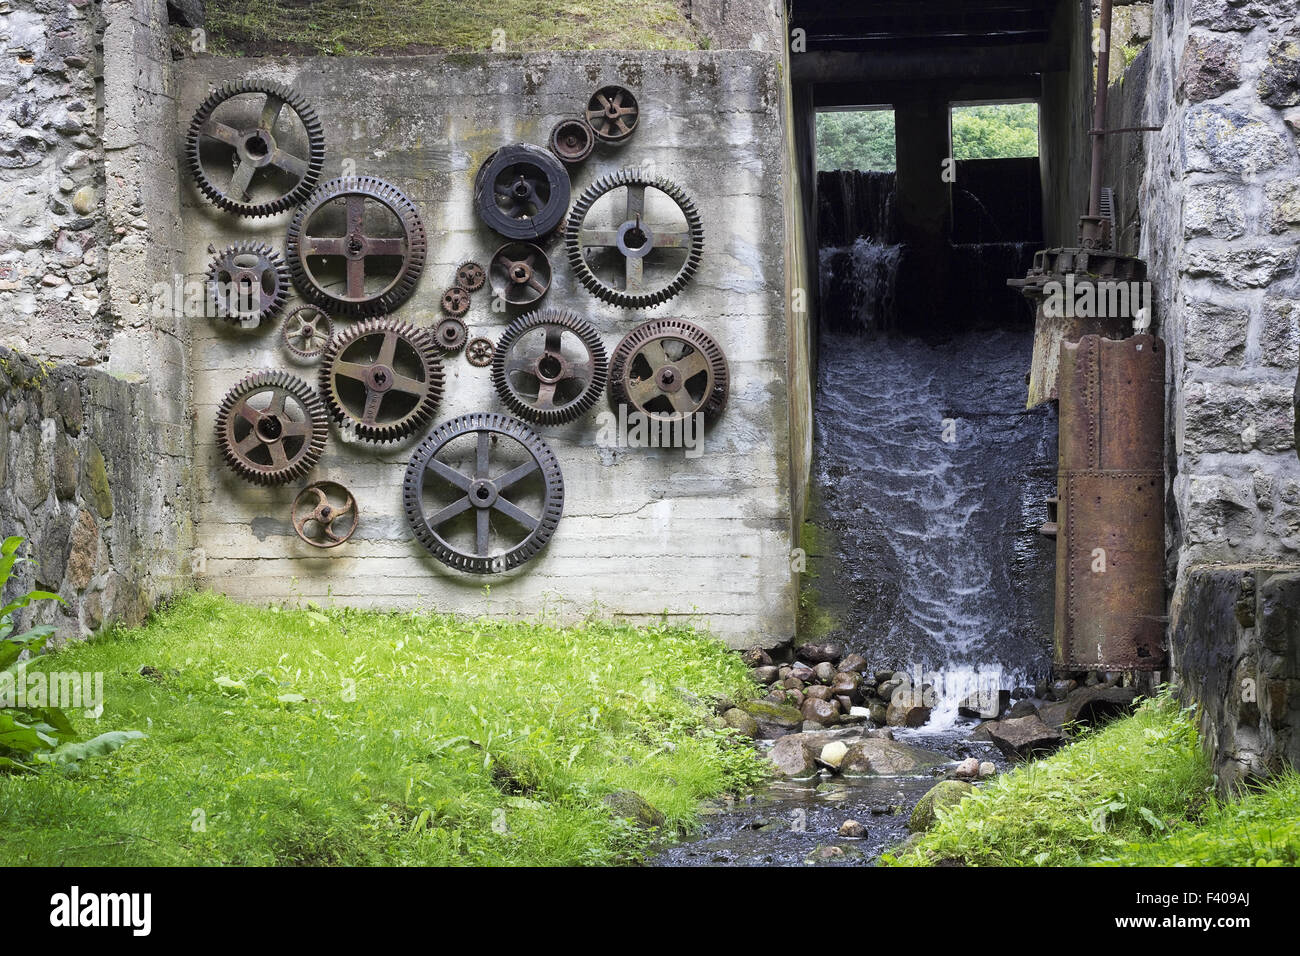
point(347, 362)
point(448, 474)
point(515, 365)
point(515, 513)
point(458, 507)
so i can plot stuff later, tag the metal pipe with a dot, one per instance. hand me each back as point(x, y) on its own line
point(1098, 131)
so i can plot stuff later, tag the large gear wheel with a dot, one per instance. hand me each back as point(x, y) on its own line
point(668, 369)
point(628, 245)
point(456, 487)
point(247, 282)
point(522, 191)
point(271, 428)
point(549, 367)
point(271, 155)
point(357, 247)
point(382, 378)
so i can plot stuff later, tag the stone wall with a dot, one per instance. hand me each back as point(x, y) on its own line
point(645, 531)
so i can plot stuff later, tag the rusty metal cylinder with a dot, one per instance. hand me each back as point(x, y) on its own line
point(1110, 545)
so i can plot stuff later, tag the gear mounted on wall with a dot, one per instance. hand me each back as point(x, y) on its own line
point(247, 282)
point(382, 378)
point(271, 428)
point(549, 367)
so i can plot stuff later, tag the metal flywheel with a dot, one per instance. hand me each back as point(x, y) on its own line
point(549, 366)
point(522, 191)
point(382, 378)
point(271, 428)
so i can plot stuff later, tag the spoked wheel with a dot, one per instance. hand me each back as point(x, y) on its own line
point(549, 367)
point(522, 191)
point(483, 493)
point(271, 428)
point(382, 378)
point(324, 514)
point(668, 369)
point(305, 331)
point(613, 113)
point(521, 273)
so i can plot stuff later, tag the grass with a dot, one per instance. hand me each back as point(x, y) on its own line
point(357, 27)
point(347, 737)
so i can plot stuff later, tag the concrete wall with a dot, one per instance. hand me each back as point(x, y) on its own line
point(645, 531)
point(99, 436)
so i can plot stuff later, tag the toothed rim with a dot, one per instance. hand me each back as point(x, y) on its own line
point(401, 286)
point(471, 275)
point(715, 400)
point(268, 259)
point(312, 447)
point(455, 305)
point(305, 354)
point(619, 297)
point(315, 148)
point(486, 345)
point(419, 341)
point(460, 340)
point(496, 424)
point(590, 338)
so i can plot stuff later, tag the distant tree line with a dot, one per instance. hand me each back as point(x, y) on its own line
point(864, 139)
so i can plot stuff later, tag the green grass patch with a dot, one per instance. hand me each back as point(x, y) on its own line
point(348, 737)
point(355, 27)
point(1130, 782)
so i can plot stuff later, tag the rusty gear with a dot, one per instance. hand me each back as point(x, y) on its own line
point(612, 113)
point(572, 140)
point(455, 301)
point(522, 191)
point(456, 485)
point(520, 272)
point(470, 275)
point(537, 378)
point(382, 378)
point(391, 262)
point(668, 369)
point(305, 331)
point(633, 240)
point(314, 514)
point(262, 438)
point(479, 351)
point(450, 335)
point(256, 148)
point(247, 281)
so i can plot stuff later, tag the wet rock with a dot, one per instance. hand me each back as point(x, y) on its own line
point(792, 683)
point(885, 690)
point(741, 721)
point(853, 830)
point(765, 675)
point(832, 854)
point(880, 756)
point(774, 719)
point(1020, 693)
point(848, 684)
point(883, 676)
point(756, 657)
point(818, 692)
point(845, 702)
point(1023, 737)
point(824, 712)
point(983, 731)
point(783, 671)
point(630, 805)
point(825, 672)
point(909, 708)
point(1023, 708)
point(853, 663)
point(1060, 689)
point(968, 769)
point(862, 713)
point(879, 712)
point(793, 757)
point(988, 770)
point(803, 672)
point(832, 754)
point(794, 697)
point(944, 795)
point(829, 652)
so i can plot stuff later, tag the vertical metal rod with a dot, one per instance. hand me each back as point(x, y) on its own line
point(1099, 110)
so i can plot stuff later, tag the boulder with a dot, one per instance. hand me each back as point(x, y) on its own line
point(1023, 737)
point(988, 769)
point(880, 756)
point(852, 829)
point(879, 713)
point(824, 712)
point(1060, 689)
point(630, 805)
point(968, 769)
point(803, 672)
point(945, 794)
point(739, 720)
point(847, 684)
point(832, 754)
point(793, 757)
point(818, 692)
point(909, 708)
point(767, 674)
point(984, 704)
point(825, 672)
point(774, 719)
point(853, 663)
point(1023, 708)
point(756, 657)
point(792, 683)
point(832, 854)
point(830, 652)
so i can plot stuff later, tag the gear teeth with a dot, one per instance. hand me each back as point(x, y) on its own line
point(309, 452)
point(585, 332)
point(315, 149)
point(711, 405)
point(479, 351)
point(426, 349)
point(455, 301)
point(267, 260)
point(309, 355)
point(471, 275)
point(592, 282)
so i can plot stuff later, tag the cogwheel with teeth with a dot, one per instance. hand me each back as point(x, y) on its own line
point(470, 275)
point(356, 247)
point(305, 331)
point(455, 301)
point(635, 245)
point(270, 137)
point(247, 281)
point(668, 369)
point(271, 428)
point(450, 334)
point(549, 367)
point(479, 351)
point(483, 493)
point(382, 378)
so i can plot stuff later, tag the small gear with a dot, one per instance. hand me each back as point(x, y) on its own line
point(450, 335)
point(455, 301)
point(363, 234)
point(470, 275)
point(612, 113)
point(630, 244)
point(257, 140)
point(541, 377)
point(481, 477)
point(271, 428)
point(382, 379)
point(247, 282)
point(305, 331)
point(522, 191)
point(668, 369)
point(316, 509)
point(520, 272)
point(572, 140)
point(479, 351)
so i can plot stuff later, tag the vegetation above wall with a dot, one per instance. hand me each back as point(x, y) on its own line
point(864, 139)
point(352, 28)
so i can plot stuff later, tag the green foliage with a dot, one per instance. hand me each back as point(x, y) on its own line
point(1000, 131)
point(360, 27)
point(317, 736)
point(856, 139)
point(1128, 782)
